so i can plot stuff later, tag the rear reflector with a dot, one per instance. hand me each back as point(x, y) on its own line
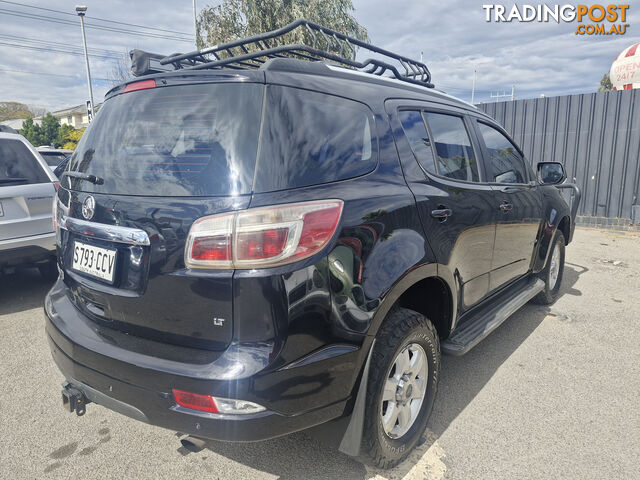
point(204, 403)
point(207, 403)
point(143, 85)
point(262, 237)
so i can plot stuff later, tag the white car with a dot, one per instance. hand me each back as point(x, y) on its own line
point(27, 187)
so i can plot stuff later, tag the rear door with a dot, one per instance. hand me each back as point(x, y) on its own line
point(164, 156)
point(441, 166)
point(26, 191)
point(517, 205)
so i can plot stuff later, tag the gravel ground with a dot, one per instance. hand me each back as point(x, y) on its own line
point(553, 393)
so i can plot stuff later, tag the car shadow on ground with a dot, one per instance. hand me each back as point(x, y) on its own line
point(21, 290)
point(461, 379)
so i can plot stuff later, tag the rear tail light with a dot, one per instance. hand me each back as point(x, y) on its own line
point(54, 212)
point(207, 403)
point(262, 237)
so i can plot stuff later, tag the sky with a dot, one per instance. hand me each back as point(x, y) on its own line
point(453, 37)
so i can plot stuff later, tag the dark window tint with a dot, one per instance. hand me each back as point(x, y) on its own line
point(310, 138)
point(18, 166)
point(192, 140)
point(416, 132)
point(455, 157)
point(506, 165)
point(53, 159)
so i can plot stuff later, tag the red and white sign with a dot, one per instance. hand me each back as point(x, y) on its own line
point(625, 71)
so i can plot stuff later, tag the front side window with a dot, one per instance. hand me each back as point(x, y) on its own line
point(454, 154)
point(418, 137)
point(18, 166)
point(506, 165)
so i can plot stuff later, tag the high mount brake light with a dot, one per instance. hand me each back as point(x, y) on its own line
point(142, 85)
point(262, 237)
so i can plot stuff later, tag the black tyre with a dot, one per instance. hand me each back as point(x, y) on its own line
point(49, 270)
point(552, 273)
point(403, 380)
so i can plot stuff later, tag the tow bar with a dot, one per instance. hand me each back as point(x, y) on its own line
point(74, 400)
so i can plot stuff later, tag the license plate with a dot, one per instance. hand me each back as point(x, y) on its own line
point(94, 261)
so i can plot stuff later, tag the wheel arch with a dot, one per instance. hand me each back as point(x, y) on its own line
point(428, 289)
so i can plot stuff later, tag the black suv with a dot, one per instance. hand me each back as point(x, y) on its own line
point(253, 245)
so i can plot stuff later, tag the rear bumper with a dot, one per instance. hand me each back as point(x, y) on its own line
point(144, 393)
point(27, 250)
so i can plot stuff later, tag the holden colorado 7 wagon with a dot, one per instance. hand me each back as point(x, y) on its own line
point(251, 243)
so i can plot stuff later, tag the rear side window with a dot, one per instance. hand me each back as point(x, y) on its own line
point(18, 166)
point(191, 140)
point(454, 154)
point(506, 165)
point(416, 132)
point(310, 138)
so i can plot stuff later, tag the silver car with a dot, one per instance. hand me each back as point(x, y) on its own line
point(27, 187)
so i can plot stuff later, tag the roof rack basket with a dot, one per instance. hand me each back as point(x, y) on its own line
point(321, 43)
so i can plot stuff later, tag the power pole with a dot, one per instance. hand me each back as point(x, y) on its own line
point(473, 89)
point(81, 10)
point(504, 94)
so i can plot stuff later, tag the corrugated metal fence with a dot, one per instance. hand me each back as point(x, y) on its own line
point(597, 138)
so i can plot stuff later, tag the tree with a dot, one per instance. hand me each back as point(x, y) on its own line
point(234, 19)
point(49, 129)
point(16, 110)
point(31, 131)
point(64, 134)
point(605, 84)
point(72, 138)
point(121, 70)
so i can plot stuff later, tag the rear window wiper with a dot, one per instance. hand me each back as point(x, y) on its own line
point(84, 176)
point(14, 180)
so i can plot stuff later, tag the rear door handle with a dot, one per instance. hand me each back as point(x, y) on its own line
point(442, 213)
point(506, 206)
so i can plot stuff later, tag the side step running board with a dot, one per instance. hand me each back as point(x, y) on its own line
point(490, 317)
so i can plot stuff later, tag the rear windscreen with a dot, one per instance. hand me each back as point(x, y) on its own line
point(18, 166)
point(192, 140)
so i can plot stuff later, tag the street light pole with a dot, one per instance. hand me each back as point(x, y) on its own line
point(195, 22)
point(81, 10)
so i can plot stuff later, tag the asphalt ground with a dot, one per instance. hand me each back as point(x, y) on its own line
point(553, 393)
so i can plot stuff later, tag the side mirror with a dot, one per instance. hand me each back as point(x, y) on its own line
point(551, 173)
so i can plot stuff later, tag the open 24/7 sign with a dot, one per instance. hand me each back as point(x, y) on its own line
point(625, 71)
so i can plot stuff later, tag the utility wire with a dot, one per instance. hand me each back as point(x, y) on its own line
point(48, 43)
point(95, 27)
point(49, 74)
point(95, 18)
point(40, 49)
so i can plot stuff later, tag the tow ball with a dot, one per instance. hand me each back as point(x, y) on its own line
point(74, 400)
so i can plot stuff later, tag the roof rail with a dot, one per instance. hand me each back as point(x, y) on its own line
point(323, 44)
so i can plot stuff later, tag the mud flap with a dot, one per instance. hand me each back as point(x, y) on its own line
point(352, 438)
